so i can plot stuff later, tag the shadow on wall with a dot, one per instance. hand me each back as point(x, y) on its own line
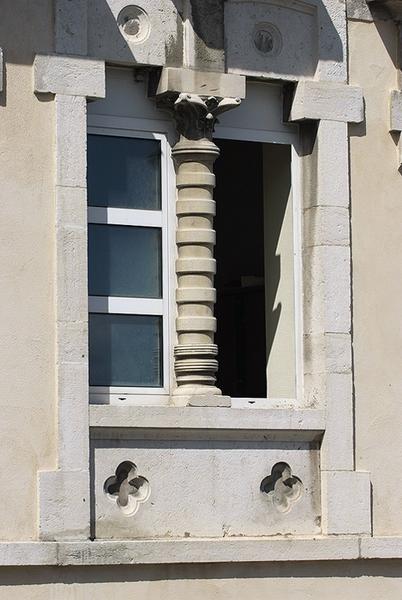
point(150, 36)
point(26, 28)
point(123, 574)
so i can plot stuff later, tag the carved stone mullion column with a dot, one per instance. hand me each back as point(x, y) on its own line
point(196, 353)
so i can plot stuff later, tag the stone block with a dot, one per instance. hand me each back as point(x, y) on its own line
point(63, 505)
point(71, 141)
point(147, 32)
point(327, 353)
point(327, 100)
point(395, 111)
point(1, 70)
point(337, 444)
point(72, 341)
point(71, 207)
point(328, 179)
point(71, 275)
point(326, 226)
point(71, 26)
point(69, 75)
point(73, 414)
point(205, 488)
point(206, 400)
point(332, 41)
point(327, 289)
point(358, 10)
point(270, 40)
point(346, 503)
point(201, 82)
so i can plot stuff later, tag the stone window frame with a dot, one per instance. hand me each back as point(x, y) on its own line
point(327, 316)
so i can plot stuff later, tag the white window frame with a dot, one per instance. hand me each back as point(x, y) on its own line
point(138, 306)
point(291, 139)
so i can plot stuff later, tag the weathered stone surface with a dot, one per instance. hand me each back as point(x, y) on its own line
point(64, 505)
point(265, 39)
point(326, 226)
point(69, 75)
point(346, 502)
point(220, 478)
point(217, 401)
point(201, 82)
point(395, 111)
point(71, 20)
point(1, 70)
point(146, 32)
point(327, 100)
point(358, 10)
point(204, 30)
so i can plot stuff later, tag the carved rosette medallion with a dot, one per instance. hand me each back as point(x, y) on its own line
point(267, 39)
point(134, 24)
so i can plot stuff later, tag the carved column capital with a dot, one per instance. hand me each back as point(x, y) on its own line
point(195, 115)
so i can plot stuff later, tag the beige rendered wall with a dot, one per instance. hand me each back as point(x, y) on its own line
point(26, 267)
point(369, 580)
point(377, 273)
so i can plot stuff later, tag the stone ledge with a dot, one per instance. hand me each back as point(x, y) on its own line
point(381, 547)
point(201, 550)
point(308, 424)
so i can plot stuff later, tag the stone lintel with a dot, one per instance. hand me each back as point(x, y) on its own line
point(69, 75)
point(327, 100)
point(203, 83)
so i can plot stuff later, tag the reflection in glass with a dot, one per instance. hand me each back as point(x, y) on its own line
point(124, 172)
point(124, 261)
point(125, 350)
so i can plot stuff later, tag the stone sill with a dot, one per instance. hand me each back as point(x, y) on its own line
point(277, 423)
point(201, 550)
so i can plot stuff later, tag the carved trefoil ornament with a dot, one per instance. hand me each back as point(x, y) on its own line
point(282, 487)
point(127, 488)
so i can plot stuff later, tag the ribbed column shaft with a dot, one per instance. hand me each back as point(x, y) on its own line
point(195, 354)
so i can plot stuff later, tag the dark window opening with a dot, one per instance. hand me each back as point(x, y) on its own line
point(240, 282)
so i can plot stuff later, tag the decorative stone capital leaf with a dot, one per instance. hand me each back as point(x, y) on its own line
point(196, 115)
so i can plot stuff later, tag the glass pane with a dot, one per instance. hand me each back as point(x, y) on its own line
point(125, 350)
point(124, 172)
point(124, 261)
